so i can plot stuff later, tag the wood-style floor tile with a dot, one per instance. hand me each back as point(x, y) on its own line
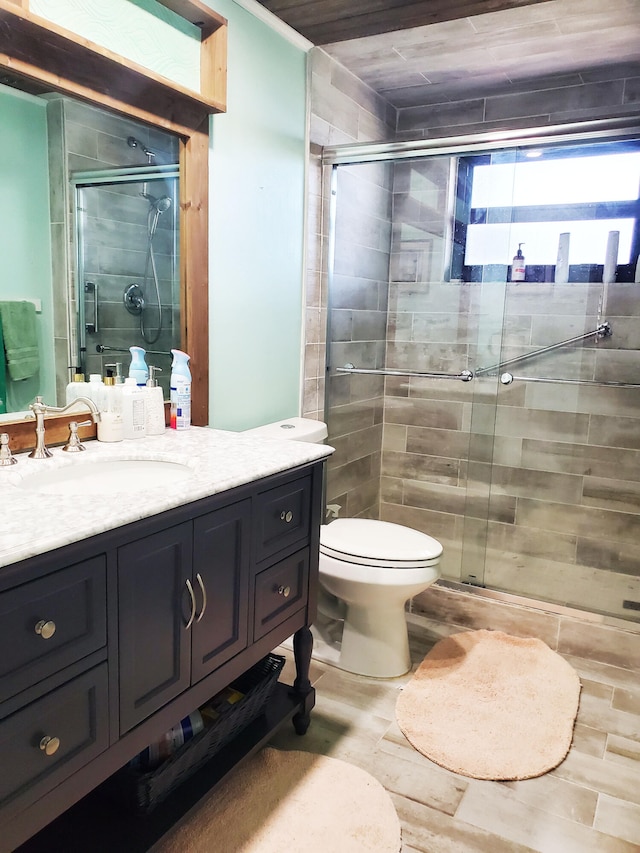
point(590, 803)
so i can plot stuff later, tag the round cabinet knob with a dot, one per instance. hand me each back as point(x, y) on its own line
point(45, 629)
point(50, 745)
point(285, 591)
point(286, 516)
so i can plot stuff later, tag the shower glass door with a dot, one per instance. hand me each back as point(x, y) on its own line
point(128, 281)
point(564, 519)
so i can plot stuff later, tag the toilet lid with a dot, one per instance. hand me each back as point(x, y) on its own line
point(378, 543)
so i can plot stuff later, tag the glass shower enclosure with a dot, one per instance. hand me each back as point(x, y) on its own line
point(501, 416)
point(128, 279)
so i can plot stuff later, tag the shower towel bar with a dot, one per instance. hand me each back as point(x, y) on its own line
point(508, 378)
point(464, 376)
point(100, 348)
point(603, 330)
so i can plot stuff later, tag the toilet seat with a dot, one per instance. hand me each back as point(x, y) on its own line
point(369, 542)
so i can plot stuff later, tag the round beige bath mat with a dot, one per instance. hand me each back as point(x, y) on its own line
point(491, 706)
point(290, 801)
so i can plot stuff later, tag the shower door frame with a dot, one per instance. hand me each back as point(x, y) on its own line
point(85, 180)
point(617, 129)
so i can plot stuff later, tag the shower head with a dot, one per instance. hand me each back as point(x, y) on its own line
point(132, 142)
point(159, 204)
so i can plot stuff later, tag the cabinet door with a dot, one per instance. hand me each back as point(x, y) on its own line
point(221, 582)
point(155, 605)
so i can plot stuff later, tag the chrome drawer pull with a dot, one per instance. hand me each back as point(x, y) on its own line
point(193, 605)
point(46, 629)
point(285, 591)
point(204, 596)
point(286, 516)
point(50, 745)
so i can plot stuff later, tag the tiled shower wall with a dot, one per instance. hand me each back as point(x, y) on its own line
point(344, 110)
point(541, 495)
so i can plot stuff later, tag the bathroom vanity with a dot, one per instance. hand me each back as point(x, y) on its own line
point(124, 606)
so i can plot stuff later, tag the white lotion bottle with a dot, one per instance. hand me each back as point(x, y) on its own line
point(110, 426)
point(133, 409)
point(154, 404)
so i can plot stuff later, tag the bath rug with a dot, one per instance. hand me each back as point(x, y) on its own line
point(491, 706)
point(290, 801)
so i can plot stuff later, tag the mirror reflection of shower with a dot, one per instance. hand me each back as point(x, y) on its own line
point(134, 295)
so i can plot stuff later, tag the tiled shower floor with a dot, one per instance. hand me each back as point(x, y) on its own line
point(591, 802)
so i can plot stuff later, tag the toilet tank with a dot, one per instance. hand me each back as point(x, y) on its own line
point(296, 429)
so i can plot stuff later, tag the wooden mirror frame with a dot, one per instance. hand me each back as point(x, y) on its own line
point(34, 48)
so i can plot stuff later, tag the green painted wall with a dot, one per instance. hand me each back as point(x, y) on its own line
point(258, 157)
point(25, 241)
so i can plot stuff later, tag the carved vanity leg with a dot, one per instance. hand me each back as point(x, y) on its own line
point(302, 648)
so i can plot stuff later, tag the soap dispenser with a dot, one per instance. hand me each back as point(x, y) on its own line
point(110, 426)
point(77, 387)
point(154, 403)
point(518, 269)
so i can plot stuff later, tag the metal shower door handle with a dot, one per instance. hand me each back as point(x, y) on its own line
point(91, 287)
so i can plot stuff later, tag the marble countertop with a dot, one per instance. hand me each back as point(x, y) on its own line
point(32, 523)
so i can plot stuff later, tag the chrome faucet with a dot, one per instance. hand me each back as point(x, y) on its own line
point(40, 409)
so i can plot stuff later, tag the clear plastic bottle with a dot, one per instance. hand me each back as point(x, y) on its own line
point(155, 404)
point(133, 409)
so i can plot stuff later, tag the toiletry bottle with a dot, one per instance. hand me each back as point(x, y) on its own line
point(155, 404)
point(95, 390)
point(180, 391)
point(133, 409)
point(76, 388)
point(518, 269)
point(110, 426)
point(138, 367)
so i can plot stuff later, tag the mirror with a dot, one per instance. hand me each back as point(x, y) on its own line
point(48, 58)
point(92, 245)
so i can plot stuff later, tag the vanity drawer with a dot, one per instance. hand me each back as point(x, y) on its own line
point(49, 623)
point(280, 591)
point(48, 740)
point(283, 517)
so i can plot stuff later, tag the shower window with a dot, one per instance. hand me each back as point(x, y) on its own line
point(533, 195)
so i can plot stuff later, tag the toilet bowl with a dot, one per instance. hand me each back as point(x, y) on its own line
point(368, 570)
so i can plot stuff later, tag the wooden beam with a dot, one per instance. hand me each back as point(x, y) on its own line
point(42, 51)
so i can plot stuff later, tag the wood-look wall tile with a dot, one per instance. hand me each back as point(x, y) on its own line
point(619, 818)
point(600, 643)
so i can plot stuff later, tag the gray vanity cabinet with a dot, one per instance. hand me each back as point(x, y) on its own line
point(107, 642)
point(183, 607)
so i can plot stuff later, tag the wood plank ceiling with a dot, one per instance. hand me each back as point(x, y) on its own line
point(328, 21)
point(436, 51)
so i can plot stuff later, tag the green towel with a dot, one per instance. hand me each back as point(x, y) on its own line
point(20, 339)
point(3, 377)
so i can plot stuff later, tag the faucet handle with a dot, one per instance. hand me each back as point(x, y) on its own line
point(74, 445)
point(5, 452)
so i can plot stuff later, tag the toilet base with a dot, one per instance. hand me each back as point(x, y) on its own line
point(368, 642)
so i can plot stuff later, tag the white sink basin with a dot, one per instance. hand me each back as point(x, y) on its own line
point(103, 477)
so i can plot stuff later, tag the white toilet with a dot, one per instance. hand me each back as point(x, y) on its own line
point(369, 569)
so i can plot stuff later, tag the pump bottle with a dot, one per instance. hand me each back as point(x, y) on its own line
point(76, 388)
point(518, 269)
point(133, 409)
point(180, 391)
point(155, 404)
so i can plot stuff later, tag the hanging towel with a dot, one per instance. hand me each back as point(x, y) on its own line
point(3, 377)
point(20, 339)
